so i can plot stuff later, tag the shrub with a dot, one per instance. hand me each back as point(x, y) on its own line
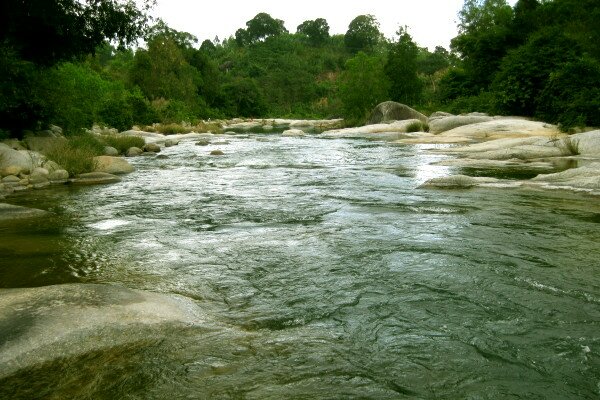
point(76, 154)
point(417, 126)
point(572, 96)
point(122, 143)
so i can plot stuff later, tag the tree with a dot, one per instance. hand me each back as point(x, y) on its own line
point(316, 31)
point(571, 96)
point(525, 71)
point(47, 31)
point(484, 38)
point(162, 71)
point(401, 69)
point(259, 28)
point(362, 34)
point(363, 85)
point(35, 34)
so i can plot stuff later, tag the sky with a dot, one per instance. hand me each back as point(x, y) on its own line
point(430, 22)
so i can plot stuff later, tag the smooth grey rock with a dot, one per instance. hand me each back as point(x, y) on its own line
point(11, 212)
point(59, 175)
point(113, 165)
point(171, 142)
point(60, 321)
point(152, 148)
point(13, 162)
point(95, 178)
point(293, 133)
point(393, 111)
point(111, 151)
point(443, 124)
point(134, 152)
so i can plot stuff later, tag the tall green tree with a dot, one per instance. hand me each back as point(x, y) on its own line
point(259, 28)
point(401, 69)
point(316, 31)
point(363, 34)
point(35, 34)
point(484, 39)
point(363, 85)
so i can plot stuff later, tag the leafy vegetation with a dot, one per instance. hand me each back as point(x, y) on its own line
point(123, 143)
point(76, 154)
point(66, 62)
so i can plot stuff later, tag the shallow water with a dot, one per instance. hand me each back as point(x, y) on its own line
point(326, 274)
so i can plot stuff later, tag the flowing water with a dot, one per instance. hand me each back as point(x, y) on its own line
point(322, 272)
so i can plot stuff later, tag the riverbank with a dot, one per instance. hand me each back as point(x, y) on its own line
point(484, 146)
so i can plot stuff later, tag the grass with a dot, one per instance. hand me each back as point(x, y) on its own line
point(122, 142)
point(76, 154)
point(568, 146)
point(417, 126)
point(173, 129)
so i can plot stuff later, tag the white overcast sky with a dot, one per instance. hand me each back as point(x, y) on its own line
point(430, 22)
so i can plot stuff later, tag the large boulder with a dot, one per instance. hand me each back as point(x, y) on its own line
point(445, 123)
point(113, 165)
point(392, 111)
point(43, 144)
point(14, 162)
point(134, 152)
point(504, 128)
point(42, 324)
point(587, 143)
point(586, 177)
point(152, 148)
point(392, 131)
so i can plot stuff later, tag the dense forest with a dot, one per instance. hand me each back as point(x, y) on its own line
point(74, 63)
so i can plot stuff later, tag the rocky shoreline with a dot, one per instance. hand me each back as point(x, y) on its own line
point(475, 141)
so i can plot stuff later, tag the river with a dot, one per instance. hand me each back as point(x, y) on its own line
point(323, 272)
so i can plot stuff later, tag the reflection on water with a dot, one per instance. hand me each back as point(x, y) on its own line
point(328, 274)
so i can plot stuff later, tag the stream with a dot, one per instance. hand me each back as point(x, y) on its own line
point(317, 270)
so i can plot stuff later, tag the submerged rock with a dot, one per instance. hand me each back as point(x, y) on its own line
point(456, 182)
point(41, 324)
point(95, 178)
point(293, 133)
point(217, 153)
point(391, 111)
point(11, 212)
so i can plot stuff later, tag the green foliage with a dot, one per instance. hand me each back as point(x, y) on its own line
point(122, 143)
point(243, 97)
point(571, 96)
point(49, 31)
point(401, 70)
point(363, 34)
point(259, 28)
point(21, 106)
point(162, 71)
point(417, 126)
point(316, 31)
point(363, 85)
point(76, 155)
point(524, 72)
point(484, 38)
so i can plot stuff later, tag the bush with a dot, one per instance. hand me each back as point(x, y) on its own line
point(572, 96)
point(76, 154)
point(417, 126)
point(122, 143)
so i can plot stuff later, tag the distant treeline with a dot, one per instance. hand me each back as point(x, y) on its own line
point(72, 64)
